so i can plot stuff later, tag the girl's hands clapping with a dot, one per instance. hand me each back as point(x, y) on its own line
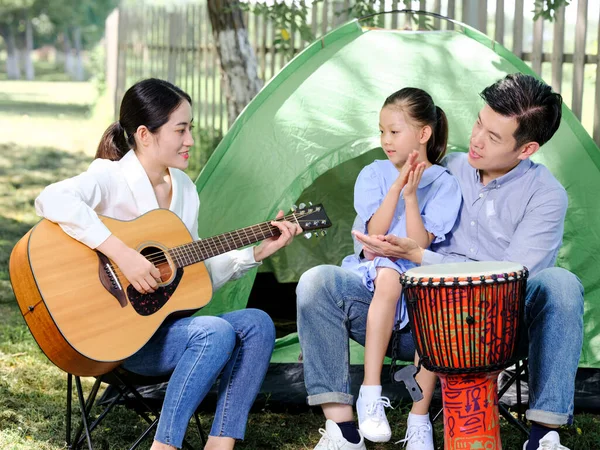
point(409, 165)
point(412, 184)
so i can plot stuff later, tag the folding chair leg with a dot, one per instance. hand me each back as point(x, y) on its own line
point(510, 419)
point(156, 413)
point(144, 434)
point(203, 437)
point(82, 407)
point(78, 439)
point(68, 418)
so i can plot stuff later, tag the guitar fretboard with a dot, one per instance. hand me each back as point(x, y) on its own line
point(187, 254)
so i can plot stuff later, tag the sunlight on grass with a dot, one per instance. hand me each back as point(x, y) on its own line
point(65, 115)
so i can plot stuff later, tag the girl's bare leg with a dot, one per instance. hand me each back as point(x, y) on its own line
point(427, 381)
point(380, 322)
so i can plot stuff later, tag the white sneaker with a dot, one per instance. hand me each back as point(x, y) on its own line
point(332, 439)
point(551, 441)
point(372, 422)
point(418, 437)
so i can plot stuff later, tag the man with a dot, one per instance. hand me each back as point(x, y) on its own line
point(512, 210)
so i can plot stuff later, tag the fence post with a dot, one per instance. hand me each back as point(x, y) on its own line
point(558, 48)
point(537, 52)
point(579, 58)
point(173, 43)
point(111, 46)
point(499, 27)
point(518, 29)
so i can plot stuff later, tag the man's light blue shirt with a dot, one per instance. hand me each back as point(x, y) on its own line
point(518, 217)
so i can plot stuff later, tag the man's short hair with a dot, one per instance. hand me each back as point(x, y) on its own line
point(531, 102)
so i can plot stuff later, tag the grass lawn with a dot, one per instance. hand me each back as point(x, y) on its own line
point(49, 132)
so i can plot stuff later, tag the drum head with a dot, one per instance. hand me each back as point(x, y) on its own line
point(466, 269)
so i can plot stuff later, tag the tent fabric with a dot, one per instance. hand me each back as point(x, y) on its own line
point(312, 128)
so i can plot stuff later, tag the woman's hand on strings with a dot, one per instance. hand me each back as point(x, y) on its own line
point(140, 272)
point(270, 245)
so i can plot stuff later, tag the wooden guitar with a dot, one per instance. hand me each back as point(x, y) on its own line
point(82, 311)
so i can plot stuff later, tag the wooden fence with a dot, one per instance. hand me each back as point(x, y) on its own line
point(175, 43)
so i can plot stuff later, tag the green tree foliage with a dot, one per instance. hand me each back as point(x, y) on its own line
point(51, 17)
point(546, 9)
point(89, 15)
point(291, 15)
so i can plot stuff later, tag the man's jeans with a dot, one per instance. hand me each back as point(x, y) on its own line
point(333, 306)
point(236, 345)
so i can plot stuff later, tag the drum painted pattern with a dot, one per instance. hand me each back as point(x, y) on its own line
point(466, 329)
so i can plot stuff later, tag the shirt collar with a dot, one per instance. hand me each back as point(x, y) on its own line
point(514, 174)
point(138, 182)
point(431, 174)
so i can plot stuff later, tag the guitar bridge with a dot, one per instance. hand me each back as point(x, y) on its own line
point(109, 279)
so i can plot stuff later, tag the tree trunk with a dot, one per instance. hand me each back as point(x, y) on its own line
point(60, 49)
point(79, 73)
point(238, 61)
point(13, 71)
point(69, 66)
point(29, 70)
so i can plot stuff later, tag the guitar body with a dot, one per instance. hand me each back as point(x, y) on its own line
point(78, 323)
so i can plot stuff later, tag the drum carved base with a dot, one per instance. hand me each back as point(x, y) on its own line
point(471, 420)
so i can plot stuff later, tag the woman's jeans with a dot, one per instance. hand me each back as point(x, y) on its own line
point(196, 350)
point(333, 306)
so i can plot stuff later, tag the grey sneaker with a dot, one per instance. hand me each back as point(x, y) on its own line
point(332, 439)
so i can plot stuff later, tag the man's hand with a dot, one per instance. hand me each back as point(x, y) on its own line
point(269, 246)
point(391, 246)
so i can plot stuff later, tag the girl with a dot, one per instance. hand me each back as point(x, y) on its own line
point(406, 195)
point(139, 167)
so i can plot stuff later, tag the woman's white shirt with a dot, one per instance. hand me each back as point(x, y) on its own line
point(121, 190)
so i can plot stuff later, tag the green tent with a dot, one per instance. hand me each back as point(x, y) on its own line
point(312, 128)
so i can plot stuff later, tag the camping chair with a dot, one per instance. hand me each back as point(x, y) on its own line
point(126, 384)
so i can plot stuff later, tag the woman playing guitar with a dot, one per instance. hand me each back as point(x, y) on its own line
point(139, 167)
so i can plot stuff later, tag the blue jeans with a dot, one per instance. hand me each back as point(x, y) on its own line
point(333, 306)
point(195, 351)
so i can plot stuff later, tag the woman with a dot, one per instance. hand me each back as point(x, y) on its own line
point(139, 167)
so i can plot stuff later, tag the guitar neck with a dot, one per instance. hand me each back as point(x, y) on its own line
point(187, 254)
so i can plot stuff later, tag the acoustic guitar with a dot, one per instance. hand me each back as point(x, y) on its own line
point(82, 311)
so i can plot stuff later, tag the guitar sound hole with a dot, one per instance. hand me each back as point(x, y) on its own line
point(157, 257)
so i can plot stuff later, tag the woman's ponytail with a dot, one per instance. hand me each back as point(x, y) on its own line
point(113, 144)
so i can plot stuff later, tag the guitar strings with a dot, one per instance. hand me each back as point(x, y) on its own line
point(291, 217)
point(210, 244)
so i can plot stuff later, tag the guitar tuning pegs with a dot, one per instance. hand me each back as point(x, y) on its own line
point(309, 203)
point(301, 206)
point(323, 232)
point(308, 235)
point(294, 208)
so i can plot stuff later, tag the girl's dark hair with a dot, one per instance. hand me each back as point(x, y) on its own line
point(531, 102)
point(419, 106)
point(149, 102)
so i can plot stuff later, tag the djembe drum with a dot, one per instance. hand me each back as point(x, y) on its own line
point(465, 320)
